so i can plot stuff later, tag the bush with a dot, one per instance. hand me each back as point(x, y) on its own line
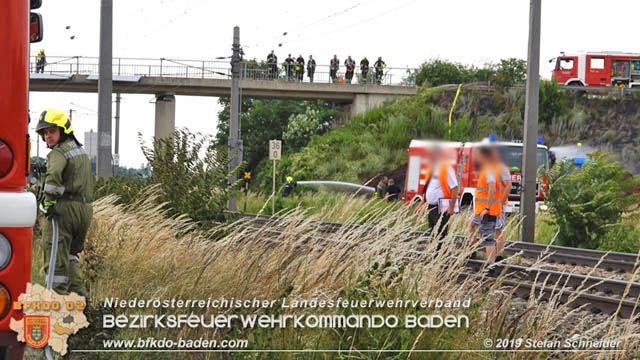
point(552, 101)
point(589, 204)
point(302, 127)
point(192, 174)
point(438, 72)
point(125, 187)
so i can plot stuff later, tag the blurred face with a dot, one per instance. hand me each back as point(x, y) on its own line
point(51, 136)
point(391, 182)
point(495, 155)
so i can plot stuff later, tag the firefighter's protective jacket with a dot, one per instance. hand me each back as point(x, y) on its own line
point(68, 173)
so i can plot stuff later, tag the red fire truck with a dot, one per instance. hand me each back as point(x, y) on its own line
point(510, 153)
point(598, 69)
point(418, 163)
point(18, 208)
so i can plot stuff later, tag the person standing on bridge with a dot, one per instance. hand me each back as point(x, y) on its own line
point(288, 66)
point(41, 61)
point(364, 69)
point(379, 66)
point(272, 62)
point(334, 65)
point(300, 68)
point(311, 68)
point(68, 192)
point(350, 66)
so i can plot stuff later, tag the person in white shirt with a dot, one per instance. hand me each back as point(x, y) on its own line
point(441, 198)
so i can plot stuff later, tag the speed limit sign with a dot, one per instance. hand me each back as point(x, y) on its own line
point(275, 149)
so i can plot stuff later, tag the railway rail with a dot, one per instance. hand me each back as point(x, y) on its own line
point(608, 261)
point(596, 294)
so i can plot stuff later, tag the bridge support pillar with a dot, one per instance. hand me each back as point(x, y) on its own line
point(165, 115)
point(364, 102)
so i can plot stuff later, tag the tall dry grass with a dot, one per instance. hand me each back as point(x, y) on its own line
point(137, 251)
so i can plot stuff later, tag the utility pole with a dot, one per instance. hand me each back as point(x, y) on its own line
point(235, 143)
point(105, 89)
point(116, 156)
point(528, 195)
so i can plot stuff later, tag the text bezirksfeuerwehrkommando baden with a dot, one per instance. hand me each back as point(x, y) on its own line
point(284, 303)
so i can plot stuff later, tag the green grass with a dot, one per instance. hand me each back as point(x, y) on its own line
point(37, 265)
point(138, 251)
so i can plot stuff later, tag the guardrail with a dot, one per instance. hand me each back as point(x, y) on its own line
point(213, 69)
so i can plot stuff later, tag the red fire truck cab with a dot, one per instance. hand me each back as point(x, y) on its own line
point(598, 69)
point(418, 163)
point(463, 156)
point(511, 155)
point(17, 207)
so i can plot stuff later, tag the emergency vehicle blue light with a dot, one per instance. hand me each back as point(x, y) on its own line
point(540, 140)
point(493, 137)
point(579, 161)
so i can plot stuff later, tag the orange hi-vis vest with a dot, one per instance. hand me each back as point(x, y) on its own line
point(442, 177)
point(500, 194)
point(481, 199)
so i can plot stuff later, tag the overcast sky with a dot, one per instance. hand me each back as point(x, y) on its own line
point(404, 32)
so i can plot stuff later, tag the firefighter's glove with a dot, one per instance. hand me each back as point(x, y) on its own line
point(50, 209)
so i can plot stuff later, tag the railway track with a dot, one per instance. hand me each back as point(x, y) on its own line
point(608, 261)
point(596, 294)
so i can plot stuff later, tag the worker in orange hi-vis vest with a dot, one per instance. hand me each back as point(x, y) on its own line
point(441, 196)
point(487, 208)
point(504, 181)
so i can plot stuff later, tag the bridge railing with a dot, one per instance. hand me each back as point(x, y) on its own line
point(217, 69)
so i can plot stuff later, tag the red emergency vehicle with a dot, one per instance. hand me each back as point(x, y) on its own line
point(510, 153)
point(615, 69)
point(17, 207)
point(418, 162)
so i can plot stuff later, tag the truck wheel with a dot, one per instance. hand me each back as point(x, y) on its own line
point(578, 83)
point(466, 202)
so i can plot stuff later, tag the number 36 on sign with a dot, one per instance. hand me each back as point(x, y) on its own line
point(275, 148)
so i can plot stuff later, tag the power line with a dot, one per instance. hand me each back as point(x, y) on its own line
point(386, 12)
point(302, 27)
point(83, 107)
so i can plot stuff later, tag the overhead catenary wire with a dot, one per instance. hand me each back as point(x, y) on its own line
point(263, 43)
point(379, 15)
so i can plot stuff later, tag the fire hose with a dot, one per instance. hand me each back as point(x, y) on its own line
point(38, 171)
point(51, 270)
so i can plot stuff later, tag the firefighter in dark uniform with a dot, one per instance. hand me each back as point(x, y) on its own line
point(272, 61)
point(68, 192)
point(289, 186)
point(379, 66)
point(41, 61)
point(311, 68)
point(300, 68)
point(288, 67)
point(364, 68)
point(334, 65)
point(349, 65)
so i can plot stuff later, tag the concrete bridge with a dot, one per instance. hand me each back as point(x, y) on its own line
point(166, 78)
